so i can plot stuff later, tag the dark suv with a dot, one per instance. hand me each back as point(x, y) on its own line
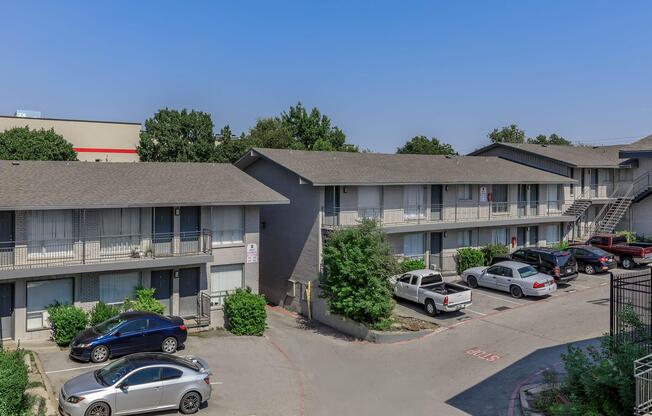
point(559, 264)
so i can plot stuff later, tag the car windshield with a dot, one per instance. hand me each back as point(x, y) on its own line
point(527, 271)
point(109, 325)
point(113, 372)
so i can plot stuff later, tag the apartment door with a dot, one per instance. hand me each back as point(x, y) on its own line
point(188, 291)
point(522, 200)
point(435, 250)
point(534, 200)
point(582, 181)
point(594, 182)
point(189, 226)
point(6, 237)
point(533, 236)
point(163, 229)
point(6, 310)
point(331, 205)
point(161, 281)
point(521, 236)
point(436, 202)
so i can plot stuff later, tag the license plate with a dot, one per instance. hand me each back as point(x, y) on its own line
point(569, 270)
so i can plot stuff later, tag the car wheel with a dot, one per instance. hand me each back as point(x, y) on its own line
point(627, 262)
point(190, 403)
point(100, 354)
point(169, 345)
point(516, 292)
point(472, 282)
point(430, 307)
point(98, 409)
point(589, 269)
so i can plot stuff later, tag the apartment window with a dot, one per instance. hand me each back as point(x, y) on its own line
point(49, 232)
point(464, 192)
point(606, 176)
point(625, 175)
point(499, 236)
point(225, 280)
point(414, 200)
point(413, 245)
point(119, 229)
point(464, 238)
point(368, 201)
point(499, 198)
point(553, 234)
point(228, 225)
point(43, 293)
point(116, 287)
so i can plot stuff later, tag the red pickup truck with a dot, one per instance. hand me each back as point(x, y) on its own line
point(628, 254)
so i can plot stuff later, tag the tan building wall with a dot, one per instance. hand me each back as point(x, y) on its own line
point(92, 140)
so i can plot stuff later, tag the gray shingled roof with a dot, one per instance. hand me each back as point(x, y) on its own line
point(33, 185)
point(576, 156)
point(642, 147)
point(343, 168)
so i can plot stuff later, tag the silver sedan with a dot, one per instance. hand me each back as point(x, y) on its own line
point(518, 279)
point(138, 383)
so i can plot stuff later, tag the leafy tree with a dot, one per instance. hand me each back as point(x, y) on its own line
point(552, 139)
point(21, 143)
point(508, 134)
point(272, 133)
point(229, 147)
point(424, 146)
point(358, 262)
point(177, 136)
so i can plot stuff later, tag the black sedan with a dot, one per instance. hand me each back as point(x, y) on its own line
point(127, 333)
point(592, 260)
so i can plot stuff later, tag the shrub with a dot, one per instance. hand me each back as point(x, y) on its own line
point(101, 312)
point(468, 257)
point(562, 245)
point(629, 235)
point(358, 263)
point(413, 264)
point(491, 251)
point(13, 382)
point(66, 322)
point(145, 301)
point(245, 313)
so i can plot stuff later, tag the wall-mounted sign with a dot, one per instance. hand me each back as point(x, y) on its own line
point(252, 253)
point(483, 194)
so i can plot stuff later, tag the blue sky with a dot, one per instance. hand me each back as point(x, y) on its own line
point(384, 71)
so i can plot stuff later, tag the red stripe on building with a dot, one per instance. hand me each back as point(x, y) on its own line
point(102, 150)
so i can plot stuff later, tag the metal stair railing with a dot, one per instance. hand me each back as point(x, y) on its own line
point(619, 194)
point(642, 184)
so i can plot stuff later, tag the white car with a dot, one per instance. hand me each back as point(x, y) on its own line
point(519, 279)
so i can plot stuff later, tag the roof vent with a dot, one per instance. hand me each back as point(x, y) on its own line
point(27, 114)
point(15, 163)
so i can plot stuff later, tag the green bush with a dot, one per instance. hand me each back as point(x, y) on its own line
point(358, 263)
point(468, 257)
point(13, 382)
point(101, 312)
point(245, 313)
point(66, 321)
point(490, 251)
point(413, 264)
point(145, 301)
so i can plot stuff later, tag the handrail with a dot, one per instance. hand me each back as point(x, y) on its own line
point(613, 199)
point(643, 181)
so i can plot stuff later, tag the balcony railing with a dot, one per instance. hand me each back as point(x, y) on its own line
point(462, 211)
point(103, 249)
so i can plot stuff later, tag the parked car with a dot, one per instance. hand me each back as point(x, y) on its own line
point(138, 383)
point(519, 279)
point(428, 288)
point(628, 254)
point(591, 259)
point(556, 263)
point(127, 333)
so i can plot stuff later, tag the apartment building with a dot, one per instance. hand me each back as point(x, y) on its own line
point(428, 205)
point(78, 233)
point(640, 213)
point(608, 181)
point(94, 141)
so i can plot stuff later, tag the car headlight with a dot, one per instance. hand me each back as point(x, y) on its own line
point(74, 399)
point(84, 345)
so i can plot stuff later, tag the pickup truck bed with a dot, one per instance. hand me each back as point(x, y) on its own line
point(435, 294)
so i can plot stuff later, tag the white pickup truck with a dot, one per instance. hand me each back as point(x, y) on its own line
point(428, 288)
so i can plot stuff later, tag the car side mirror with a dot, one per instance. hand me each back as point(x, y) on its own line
point(123, 386)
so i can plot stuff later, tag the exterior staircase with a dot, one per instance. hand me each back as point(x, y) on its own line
point(615, 212)
point(642, 186)
point(578, 208)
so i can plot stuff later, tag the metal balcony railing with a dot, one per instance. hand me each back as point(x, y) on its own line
point(101, 249)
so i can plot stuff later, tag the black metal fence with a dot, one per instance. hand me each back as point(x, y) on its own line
point(631, 298)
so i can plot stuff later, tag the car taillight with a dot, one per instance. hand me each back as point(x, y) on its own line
point(556, 271)
point(603, 259)
point(538, 285)
point(445, 300)
point(182, 327)
point(207, 380)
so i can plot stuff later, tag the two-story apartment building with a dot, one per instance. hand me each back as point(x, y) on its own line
point(80, 232)
point(604, 180)
point(428, 205)
point(640, 213)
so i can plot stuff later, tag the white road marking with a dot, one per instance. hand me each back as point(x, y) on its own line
point(472, 311)
point(604, 284)
point(74, 368)
point(216, 382)
point(581, 286)
point(496, 297)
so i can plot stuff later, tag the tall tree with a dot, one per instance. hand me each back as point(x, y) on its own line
point(508, 134)
point(552, 139)
point(177, 136)
point(424, 146)
point(229, 147)
point(21, 143)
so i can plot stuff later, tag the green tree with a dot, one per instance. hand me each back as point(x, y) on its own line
point(552, 139)
point(508, 134)
point(177, 136)
point(271, 133)
point(229, 147)
point(358, 262)
point(21, 143)
point(424, 146)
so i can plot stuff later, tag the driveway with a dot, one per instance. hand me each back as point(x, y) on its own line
point(472, 367)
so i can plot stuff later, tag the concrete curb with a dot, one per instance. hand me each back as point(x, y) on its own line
point(387, 337)
point(526, 392)
point(46, 380)
point(361, 331)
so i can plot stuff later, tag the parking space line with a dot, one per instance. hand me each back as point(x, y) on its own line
point(73, 369)
point(216, 382)
point(582, 286)
point(472, 311)
point(496, 297)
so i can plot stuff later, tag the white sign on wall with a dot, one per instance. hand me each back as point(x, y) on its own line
point(252, 253)
point(483, 194)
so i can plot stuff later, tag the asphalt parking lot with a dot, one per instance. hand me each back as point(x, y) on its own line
point(488, 301)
